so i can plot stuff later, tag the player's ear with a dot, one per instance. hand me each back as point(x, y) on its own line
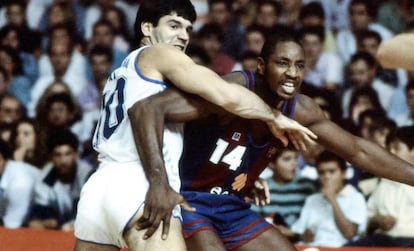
point(260, 65)
point(146, 28)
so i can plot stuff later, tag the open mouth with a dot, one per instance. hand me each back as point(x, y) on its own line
point(288, 87)
point(180, 47)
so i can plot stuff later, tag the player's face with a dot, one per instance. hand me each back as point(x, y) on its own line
point(285, 166)
point(174, 30)
point(284, 69)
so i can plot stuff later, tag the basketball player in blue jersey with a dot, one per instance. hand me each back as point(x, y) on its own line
point(113, 198)
point(222, 160)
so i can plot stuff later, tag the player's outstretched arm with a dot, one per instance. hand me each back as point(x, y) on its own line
point(359, 152)
point(192, 78)
point(397, 52)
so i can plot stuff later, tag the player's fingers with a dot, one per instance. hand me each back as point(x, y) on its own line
point(184, 204)
point(307, 131)
point(294, 141)
point(152, 228)
point(166, 226)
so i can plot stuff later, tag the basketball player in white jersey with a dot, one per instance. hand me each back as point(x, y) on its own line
point(112, 200)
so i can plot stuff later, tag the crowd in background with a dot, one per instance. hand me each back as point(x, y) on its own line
point(55, 57)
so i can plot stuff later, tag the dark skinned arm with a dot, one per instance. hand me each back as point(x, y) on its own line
point(148, 117)
point(359, 152)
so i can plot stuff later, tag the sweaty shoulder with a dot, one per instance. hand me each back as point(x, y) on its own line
point(307, 111)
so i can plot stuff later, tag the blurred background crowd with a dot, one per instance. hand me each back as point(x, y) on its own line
point(55, 57)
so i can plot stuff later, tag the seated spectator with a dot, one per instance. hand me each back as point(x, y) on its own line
point(361, 17)
point(12, 36)
point(288, 191)
point(323, 69)
point(390, 207)
point(24, 142)
point(255, 37)
point(313, 14)
point(362, 99)
point(363, 67)
point(17, 181)
point(67, 67)
point(248, 60)
point(11, 110)
point(369, 41)
point(60, 111)
point(116, 16)
point(104, 35)
point(58, 190)
point(337, 213)
point(19, 84)
point(210, 37)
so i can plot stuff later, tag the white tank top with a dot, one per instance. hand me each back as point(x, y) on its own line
point(113, 138)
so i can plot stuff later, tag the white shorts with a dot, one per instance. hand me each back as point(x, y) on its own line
point(109, 200)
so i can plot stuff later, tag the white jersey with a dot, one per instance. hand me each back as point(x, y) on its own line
point(113, 138)
point(116, 191)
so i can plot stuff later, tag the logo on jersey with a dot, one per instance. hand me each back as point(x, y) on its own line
point(239, 182)
point(236, 136)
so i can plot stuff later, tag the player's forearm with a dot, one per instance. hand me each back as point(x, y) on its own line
point(380, 162)
point(396, 52)
point(202, 81)
point(148, 137)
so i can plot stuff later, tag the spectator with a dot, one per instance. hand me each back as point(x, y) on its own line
point(17, 180)
point(16, 16)
point(58, 190)
point(289, 16)
point(288, 191)
point(12, 37)
point(363, 68)
point(67, 68)
point(369, 41)
point(361, 16)
point(20, 85)
point(390, 207)
point(248, 60)
point(60, 111)
point(362, 99)
point(337, 213)
point(255, 37)
point(221, 13)
point(117, 18)
point(24, 142)
point(104, 35)
point(313, 14)
point(337, 14)
point(323, 69)
point(210, 38)
point(11, 110)
point(268, 13)
point(394, 15)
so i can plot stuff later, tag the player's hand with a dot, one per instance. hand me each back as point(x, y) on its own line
point(159, 203)
point(287, 129)
point(260, 192)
